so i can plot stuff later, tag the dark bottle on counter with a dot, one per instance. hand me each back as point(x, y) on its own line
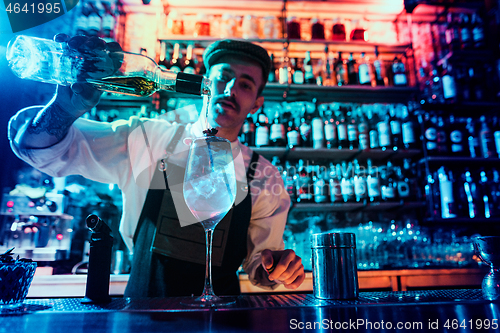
point(441, 137)
point(473, 138)
point(304, 183)
point(331, 140)
point(409, 129)
point(373, 182)
point(342, 130)
point(309, 77)
point(318, 134)
point(457, 135)
point(340, 71)
point(352, 73)
point(396, 129)
point(262, 129)
point(486, 139)
point(277, 136)
point(248, 132)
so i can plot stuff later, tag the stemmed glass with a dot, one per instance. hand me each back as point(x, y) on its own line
point(209, 192)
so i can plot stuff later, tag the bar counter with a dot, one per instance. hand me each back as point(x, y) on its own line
point(462, 310)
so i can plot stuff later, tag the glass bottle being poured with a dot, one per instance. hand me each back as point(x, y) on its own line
point(113, 71)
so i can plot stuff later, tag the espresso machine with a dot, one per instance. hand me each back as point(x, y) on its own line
point(37, 228)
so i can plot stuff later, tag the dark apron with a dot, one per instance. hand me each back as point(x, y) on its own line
point(169, 260)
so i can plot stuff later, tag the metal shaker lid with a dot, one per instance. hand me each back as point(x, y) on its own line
point(333, 239)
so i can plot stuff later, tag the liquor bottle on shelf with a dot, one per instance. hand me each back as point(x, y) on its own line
point(466, 41)
point(448, 82)
point(496, 134)
point(384, 132)
point(272, 72)
point(389, 185)
point(284, 69)
point(346, 184)
point(430, 134)
point(248, 132)
point(364, 71)
point(331, 140)
point(176, 62)
point(472, 194)
point(292, 133)
point(318, 134)
point(359, 182)
point(486, 139)
point(297, 72)
point(487, 202)
point(372, 128)
point(457, 135)
point(495, 192)
point(335, 179)
point(277, 135)
point(396, 129)
point(436, 88)
point(473, 138)
point(409, 129)
point(363, 131)
point(411, 179)
point(399, 73)
point(304, 183)
point(342, 130)
point(352, 130)
point(320, 181)
point(441, 137)
point(305, 128)
point(378, 70)
point(289, 181)
point(328, 76)
point(352, 73)
point(403, 186)
point(452, 32)
point(340, 71)
point(448, 206)
point(189, 65)
point(262, 129)
point(309, 77)
point(478, 39)
point(432, 196)
point(373, 182)
point(477, 82)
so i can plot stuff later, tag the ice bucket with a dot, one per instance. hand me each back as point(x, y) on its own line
point(335, 274)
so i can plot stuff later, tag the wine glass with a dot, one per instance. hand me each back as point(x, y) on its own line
point(488, 250)
point(209, 191)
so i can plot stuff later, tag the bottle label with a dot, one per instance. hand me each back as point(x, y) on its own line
point(449, 88)
point(342, 132)
point(304, 189)
point(320, 191)
point(456, 138)
point(374, 139)
point(352, 133)
point(317, 129)
point(477, 34)
point(408, 134)
point(400, 79)
point(383, 134)
point(305, 130)
point(388, 192)
point(446, 189)
point(277, 132)
point(298, 77)
point(378, 70)
point(364, 74)
point(293, 138)
point(283, 75)
point(347, 188)
point(330, 132)
point(363, 141)
point(360, 187)
point(363, 127)
point(395, 127)
point(403, 189)
point(465, 35)
point(373, 185)
point(431, 134)
point(262, 136)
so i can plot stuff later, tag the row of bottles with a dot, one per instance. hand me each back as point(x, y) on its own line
point(470, 193)
point(349, 182)
point(460, 136)
point(339, 70)
point(96, 18)
point(174, 59)
point(336, 126)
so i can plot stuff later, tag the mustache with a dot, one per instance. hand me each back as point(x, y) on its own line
point(229, 99)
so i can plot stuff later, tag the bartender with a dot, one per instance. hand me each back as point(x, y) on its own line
point(169, 250)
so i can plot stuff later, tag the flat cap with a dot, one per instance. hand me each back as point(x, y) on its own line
point(238, 48)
